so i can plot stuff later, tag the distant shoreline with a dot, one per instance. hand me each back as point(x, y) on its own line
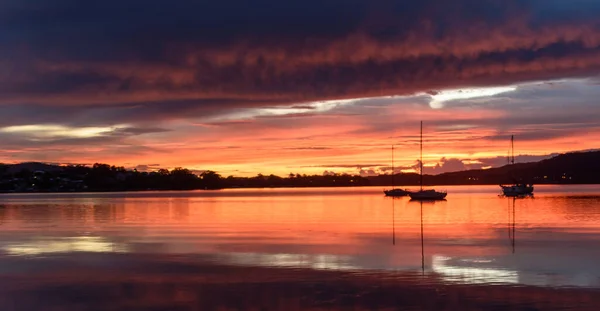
point(571, 168)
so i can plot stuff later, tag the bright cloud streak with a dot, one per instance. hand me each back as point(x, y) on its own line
point(321, 106)
point(58, 131)
point(310, 107)
point(438, 100)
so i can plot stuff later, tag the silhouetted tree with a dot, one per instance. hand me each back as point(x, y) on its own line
point(211, 180)
point(183, 179)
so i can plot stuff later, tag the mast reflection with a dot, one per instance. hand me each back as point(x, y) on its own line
point(422, 231)
point(422, 242)
point(514, 237)
point(512, 215)
point(393, 222)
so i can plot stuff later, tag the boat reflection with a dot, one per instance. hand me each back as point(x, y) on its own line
point(422, 231)
point(422, 237)
point(511, 224)
point(470, 270)
point(393, 222)
point(422, 242)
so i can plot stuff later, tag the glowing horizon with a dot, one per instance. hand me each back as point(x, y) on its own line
point(338, 136)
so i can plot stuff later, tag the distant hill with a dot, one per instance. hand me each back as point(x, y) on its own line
point(569, 168)
point(32, 166)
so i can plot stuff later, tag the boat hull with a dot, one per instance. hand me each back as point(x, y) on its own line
point(517, 190)
point(396, 192)
point(428, 195)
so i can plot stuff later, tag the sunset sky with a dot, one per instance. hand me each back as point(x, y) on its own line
point(312, 86)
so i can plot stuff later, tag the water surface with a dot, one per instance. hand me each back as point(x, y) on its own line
point(548, 243)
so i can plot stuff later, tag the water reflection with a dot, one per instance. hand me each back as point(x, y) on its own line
point(64, 245)
point(312, 261)
point(462, 239)
point(471, 270)
point(511, 224)
point(315, 249)
point(422, 243)
point(393, 221)
point(465, 270)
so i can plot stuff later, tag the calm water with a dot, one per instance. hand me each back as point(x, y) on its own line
point(48, 241)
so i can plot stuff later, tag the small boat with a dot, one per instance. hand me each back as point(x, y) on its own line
point(518, 189)
point(429, 194)
point(395, 192)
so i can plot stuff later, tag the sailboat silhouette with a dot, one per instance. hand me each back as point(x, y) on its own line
point(422, 194)
point(395, 192)
point(518, 189)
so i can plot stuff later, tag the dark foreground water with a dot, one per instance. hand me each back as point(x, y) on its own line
point(298, 249)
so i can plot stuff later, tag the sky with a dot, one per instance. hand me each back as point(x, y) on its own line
point(314, 87)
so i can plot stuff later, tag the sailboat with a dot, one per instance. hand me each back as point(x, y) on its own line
point(517, 189)
point(395, 192)
point(429, 194)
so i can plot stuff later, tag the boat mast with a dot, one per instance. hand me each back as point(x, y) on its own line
point(421, 171)
point(393, 171)
point(512, 148)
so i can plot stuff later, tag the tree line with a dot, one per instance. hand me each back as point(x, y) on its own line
point(104, 177)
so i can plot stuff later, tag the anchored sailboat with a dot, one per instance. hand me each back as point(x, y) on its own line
point(394, 192)
point(517, 189)
point(429, 194)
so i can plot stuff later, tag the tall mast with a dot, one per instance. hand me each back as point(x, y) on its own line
point(512, 148)
point(421, 156)
point(393, 171)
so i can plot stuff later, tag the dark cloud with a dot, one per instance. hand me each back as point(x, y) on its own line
point(101, 115)
point(139, 131)
point(233, 52)
point(287, 116)
point(305, 107)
